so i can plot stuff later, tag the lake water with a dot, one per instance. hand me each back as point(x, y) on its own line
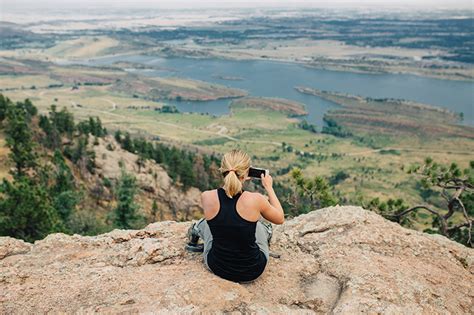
point(278, 79)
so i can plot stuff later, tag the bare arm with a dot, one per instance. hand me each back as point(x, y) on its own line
point(271, 209)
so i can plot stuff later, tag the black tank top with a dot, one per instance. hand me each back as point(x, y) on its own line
point(234, 255)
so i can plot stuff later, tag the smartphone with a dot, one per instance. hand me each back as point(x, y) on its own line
point(257, 172)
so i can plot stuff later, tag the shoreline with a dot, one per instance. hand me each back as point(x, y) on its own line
point(328, 65)
point(322, 66)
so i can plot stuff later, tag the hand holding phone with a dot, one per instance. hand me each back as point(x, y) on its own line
point(257, 172)
point(267, 182)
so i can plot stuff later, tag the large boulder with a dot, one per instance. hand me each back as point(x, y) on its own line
point(343, 260)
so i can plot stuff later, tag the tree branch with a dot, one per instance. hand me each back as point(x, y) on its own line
point(468, 221)
point(414, 208)
point(460, 225)
point(441, 218)
point(451, 203)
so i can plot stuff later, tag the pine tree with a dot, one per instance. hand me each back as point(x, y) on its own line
point(52, 139)
point(29, 109)
point(127, 143)
point(202, 176)
point(63, 192)
point(118, 136)
point(310, 193)
point(158, 154)
point(4, 103)
point(125, 214)
point(26, 211)
point(63, 121)
point(19, 140)
point(186, 174)
point(82, 157)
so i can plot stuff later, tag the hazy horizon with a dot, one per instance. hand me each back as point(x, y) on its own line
point(196, 4)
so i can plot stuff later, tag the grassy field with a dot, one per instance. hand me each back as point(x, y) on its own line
point(83, 47)
point(25, 81)
point(275, 104)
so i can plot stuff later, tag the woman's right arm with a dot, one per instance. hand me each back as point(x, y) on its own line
point(271, 209)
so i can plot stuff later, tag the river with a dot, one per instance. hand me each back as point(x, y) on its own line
point(278, 79)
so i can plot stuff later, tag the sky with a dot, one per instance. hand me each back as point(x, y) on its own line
point(248, 3)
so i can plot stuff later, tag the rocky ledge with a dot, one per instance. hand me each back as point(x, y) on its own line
point(334, 260)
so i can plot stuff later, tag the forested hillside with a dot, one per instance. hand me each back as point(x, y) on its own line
point(74, 177)
point(56, 181)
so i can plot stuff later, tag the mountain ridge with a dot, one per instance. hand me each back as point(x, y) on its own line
point(340, 259)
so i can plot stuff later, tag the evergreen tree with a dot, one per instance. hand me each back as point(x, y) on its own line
point(63, 121)
point(4, 103)
point(63, 192)
point(200, 173)
point(52, 139)
point(127, 143)
point(19, 140)
point(26, 211)
point(92, 126)
point(310, 194)
point(82, 157)
point(125, 214)
point(158, 154)
point(29, 109)
point(186, 174)
point(118, 136)
point(174, 160)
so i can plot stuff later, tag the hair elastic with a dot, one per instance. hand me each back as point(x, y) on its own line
point(231, 170)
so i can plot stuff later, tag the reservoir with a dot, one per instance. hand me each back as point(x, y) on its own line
point(278, 79)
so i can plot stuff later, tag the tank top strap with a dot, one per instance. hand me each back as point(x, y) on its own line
point(221, 195)
point(224, 198)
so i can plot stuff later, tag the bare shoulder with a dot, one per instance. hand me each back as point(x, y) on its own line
point(210, 203)
point(207, 193)
point(208, 196)
point(254, 196)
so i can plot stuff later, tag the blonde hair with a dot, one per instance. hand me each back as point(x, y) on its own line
point(234, 165)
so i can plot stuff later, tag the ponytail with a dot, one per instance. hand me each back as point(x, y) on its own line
point(232, 184)
point(234, 166)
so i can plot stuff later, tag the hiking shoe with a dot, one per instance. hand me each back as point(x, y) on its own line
point(193, 234)
point(194, 247)
point(193, 238)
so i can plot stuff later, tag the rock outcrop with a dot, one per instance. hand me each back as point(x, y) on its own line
point(334, 260)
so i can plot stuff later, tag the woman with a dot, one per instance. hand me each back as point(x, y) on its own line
point(235, 240)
